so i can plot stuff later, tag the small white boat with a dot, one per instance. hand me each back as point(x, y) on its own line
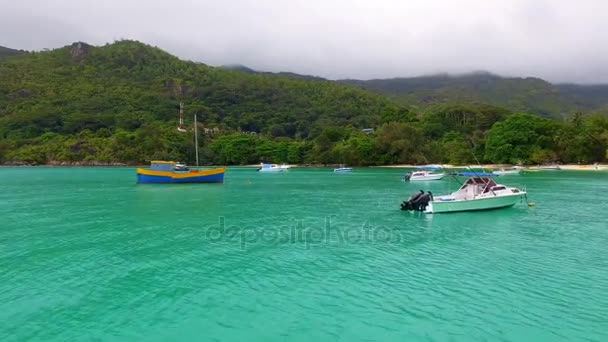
point(477, 193)
point(342, 168)
point(549, 167)
point(423, 175)
point(507, 172)
point(273, 168)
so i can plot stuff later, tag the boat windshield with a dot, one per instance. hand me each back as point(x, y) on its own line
point(486, 182)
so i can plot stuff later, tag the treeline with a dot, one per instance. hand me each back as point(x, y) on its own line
point(449, 134)
point(117, 103)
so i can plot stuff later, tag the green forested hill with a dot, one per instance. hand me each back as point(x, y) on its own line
point(530, 95)
point(118, 103)
point(587, 96)
point(5, 52)
point(129, 86)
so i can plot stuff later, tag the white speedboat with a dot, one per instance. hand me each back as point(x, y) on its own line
point(477, 193)
point(272, 168)
point(423, 175)
point(342, 168)
point(507, 172)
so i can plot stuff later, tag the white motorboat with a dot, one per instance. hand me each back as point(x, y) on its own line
point(477, 193)
point(507, 172)
point(342, 168)
point(549, 167)
point(273, 168)
point(426, 174)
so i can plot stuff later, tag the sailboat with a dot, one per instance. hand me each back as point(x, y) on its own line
point(162, 171)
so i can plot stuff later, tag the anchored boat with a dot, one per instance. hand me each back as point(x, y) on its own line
point(168, 172)
point(161, 171)
point(342, 168)
point(552, 167)
point(507, 172)
point(426, 173)
point(476, 193)
point(273, 168)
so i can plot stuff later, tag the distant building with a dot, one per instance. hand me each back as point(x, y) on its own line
point(213, 130)
point(368, 130)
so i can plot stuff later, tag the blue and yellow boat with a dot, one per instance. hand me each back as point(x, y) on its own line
point(172, 172)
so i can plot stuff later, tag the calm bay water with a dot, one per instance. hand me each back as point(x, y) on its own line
point(86, 254)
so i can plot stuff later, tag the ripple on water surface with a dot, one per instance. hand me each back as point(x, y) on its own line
point(308, 254)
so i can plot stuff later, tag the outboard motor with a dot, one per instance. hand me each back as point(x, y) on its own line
point(410, 204)
point(407, 205)
point(423, 201)
point(407, 176)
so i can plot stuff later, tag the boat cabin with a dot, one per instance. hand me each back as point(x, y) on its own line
point(475, 186)
point(160, 165)
point(423, 173)
point(167, 166)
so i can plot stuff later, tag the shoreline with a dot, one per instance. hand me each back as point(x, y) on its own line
point(567, 167)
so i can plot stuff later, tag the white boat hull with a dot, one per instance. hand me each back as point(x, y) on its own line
point(343, 169)
point(429, 177)
point(272, 170)
point(484, 203)
point(506, 172)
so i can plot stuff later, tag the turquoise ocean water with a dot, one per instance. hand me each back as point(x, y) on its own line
point(86, 254)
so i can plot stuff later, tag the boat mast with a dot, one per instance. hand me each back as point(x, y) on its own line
point(195, 139)
point(181, 126)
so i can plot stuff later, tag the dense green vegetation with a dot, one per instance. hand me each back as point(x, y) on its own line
point(118, 103)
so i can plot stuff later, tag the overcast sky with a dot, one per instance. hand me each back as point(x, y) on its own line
point(558, 40)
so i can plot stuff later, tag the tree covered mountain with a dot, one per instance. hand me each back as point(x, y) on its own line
point(118, 103)
point(530, 95)
point(247, 70)
point(594, 97)
point(6, 52)
point(128, 86)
